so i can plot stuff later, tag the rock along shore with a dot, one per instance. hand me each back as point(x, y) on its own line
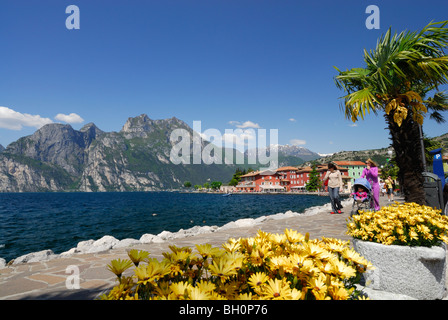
point(108, 242)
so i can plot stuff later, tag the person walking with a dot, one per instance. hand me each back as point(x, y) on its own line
point(334, 178)
point(371, 174)
point(390, 189)
point(382, 188)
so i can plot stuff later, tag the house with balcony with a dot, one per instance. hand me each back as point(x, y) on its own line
point(279, 180)
point(284, 179)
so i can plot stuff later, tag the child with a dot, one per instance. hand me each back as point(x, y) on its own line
point(360, 195)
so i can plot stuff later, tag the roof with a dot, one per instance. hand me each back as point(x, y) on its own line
point(288, 168)
point(269, 171)
point(349, 163)
point(251, 174)
point(320, 168)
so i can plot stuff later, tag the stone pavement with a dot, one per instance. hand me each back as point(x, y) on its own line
point(48, 280)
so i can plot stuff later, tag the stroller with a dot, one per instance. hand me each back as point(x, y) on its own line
point(358, 202)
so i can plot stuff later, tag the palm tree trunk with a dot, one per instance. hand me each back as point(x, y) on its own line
point(406, 143)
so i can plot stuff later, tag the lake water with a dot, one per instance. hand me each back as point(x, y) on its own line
point(31, 222)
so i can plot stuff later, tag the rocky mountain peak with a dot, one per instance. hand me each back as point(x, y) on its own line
point(140, 123)
point(90, 126)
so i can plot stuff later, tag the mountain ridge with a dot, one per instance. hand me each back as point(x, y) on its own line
point(57, 157)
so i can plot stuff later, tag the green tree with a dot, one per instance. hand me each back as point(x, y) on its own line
point(216, 185)
point(314, 183)
point(398, 72)
point(236, 177)
point(430, 145)
point(187, 184)
point(390, 169)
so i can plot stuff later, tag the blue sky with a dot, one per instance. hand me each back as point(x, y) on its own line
point(227, 63)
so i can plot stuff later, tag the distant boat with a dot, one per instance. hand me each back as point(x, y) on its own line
point(227, 194)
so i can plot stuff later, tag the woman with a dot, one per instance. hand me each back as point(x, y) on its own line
point(390, 189)
point(334, 178)
point(371, 174)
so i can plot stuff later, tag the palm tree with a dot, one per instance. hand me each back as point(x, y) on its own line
point(399, 71)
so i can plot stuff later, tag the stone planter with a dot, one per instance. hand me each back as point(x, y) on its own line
point(417, 272)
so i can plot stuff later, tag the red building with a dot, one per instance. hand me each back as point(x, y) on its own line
point(283, 179)
point(266, 181)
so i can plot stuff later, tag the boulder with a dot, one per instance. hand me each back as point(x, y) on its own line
point(150, 238)
point(126, 243)
point(103, 244)
point(35, 257)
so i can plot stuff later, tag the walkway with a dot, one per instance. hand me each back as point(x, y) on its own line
point(47, 279)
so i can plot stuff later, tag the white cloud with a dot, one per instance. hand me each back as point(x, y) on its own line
point(353, 125)
point(240, 139)
point(13, 120)
point(292, 120)
point(69, 118)
point(244, 125)
point(297, 142)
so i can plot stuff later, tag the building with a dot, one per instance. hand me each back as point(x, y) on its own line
point(284, 179)
point(355, 168)
point(304, 176)
point(279, 180)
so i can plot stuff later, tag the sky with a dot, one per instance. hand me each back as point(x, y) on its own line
point(248, 64)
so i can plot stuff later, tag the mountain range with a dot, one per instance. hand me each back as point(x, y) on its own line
point(137, 158)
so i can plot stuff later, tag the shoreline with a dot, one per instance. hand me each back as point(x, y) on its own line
point(107, 242)
point(319, 194)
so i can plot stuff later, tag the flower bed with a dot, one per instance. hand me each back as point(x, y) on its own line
point(406, 245)
point(267, 266)
point(407, 224)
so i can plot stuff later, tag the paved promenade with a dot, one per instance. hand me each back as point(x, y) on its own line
point(47, 279)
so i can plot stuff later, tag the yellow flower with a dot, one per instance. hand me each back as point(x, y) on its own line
point(181, 256)
point(163, 289)
point(256, 259)
point(278, 262)
point(154, 270)
point(293, 236)
point(303, 266)
point(338, 293)
point(277, 290)
point(222, 268)
point(297, 295)
point(137, 256)
point(342, 270)
point(335, 246)
point(118, 266)
point(258, 279)
point(228, 290)
point(206, 286)
point(318, 286)
point(231, 245)
point(244, 296)
point(312, 251)
point(197, 294)
point(278, 239)
point(180, 289)
point(400, 224)
point(206, 250)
